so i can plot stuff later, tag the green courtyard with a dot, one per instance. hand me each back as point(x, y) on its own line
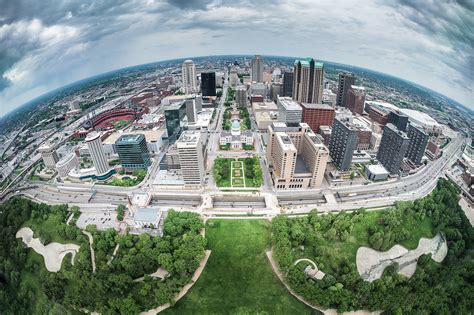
point(237, 173)
point(238, 278)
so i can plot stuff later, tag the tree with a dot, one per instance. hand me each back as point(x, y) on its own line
point(120, 212)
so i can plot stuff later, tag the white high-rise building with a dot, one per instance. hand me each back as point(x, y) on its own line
point(257, 69)
point(191, 157)
point(233, 78)
point(189, 77)
point(50, 157)
point(99, 159)
point(66, 164)
point(241, 96)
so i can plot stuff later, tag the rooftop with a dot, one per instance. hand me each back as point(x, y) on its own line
point(189, 138)
point(150, 135)
point(148, 215)
point(261, 106)
point(377, 169)
point(288, 103)
point(127, 138)
point(285, 141)
point(317, 106)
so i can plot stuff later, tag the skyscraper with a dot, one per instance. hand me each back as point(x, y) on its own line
point(398, 119)
point(191, 157)
point(208, 83)
point(417, 144)
point(308, 81)
point(99, 159)
point(393, 147)
point(241, 96)
point(133, 152)
point(288, 84)
point(343, 143)
point(189, 77)
point(356, 99)
point(191, 110)
point(257, 69)
point(346, 79)
point(316, 115)
point(174, 115)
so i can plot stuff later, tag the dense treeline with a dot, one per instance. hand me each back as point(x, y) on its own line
point(445, 288)
point(26, 287)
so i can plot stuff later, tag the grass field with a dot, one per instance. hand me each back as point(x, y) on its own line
point(238, 278)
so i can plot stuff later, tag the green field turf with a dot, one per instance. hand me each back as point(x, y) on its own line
point(238, 278)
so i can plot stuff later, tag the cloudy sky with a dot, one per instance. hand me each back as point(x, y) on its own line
point(49, 43)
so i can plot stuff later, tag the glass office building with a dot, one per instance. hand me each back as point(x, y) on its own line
point(133, 152)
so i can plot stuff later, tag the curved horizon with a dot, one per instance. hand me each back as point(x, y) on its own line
point(144, 65)
point(47, 45)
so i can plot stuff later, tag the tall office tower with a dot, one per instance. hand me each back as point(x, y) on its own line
point(398, 119)
point(174, 115)
point(356, 99)
point(50, 157)
point(198, 103)
point(316, 115)
point(191, 157)
point(393, 147)
point(234, 79)
point(289, 111)
point(417, 144)
point(191, 111)
point(208, 83)
point(99, 159)
point(241, 96)
point(189, 77)
point(297, 156)
point(343, 143)
point(346, 79)
point(133, 152)
point(308, 81)
point(276, 89)
point(288, 84)
point(257, 69)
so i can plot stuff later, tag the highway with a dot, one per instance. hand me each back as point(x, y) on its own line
point(372, 195)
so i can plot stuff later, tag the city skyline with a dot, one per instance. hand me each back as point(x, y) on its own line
point(52, 45)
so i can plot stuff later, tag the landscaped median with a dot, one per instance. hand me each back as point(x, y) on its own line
point(237, 172)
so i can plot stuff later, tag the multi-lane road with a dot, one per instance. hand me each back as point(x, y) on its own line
point(264, 202)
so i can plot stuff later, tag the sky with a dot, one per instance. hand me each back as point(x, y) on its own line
point(49, 43)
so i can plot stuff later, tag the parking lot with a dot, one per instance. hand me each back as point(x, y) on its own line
point(102, 219)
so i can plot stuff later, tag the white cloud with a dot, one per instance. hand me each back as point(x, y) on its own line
point(82, 40)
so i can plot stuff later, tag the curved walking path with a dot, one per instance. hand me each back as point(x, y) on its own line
point(91, 241)
point(277, 271)
point(185, 289)
point(113, 254)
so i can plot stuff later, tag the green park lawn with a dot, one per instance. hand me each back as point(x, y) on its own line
point(238, 278)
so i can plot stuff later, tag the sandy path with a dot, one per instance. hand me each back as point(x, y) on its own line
point(185, 289)
point(371, 263)
point(52, 253)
